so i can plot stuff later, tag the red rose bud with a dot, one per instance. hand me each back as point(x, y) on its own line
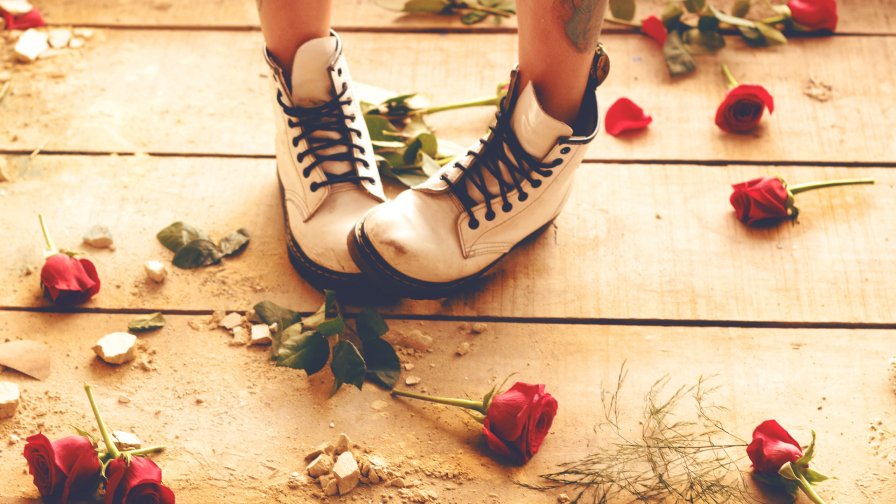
point(141, 481)
point(768, 198)
point(654, 28)
point(743, 106)
point(62, 469)
point(772, 447)
point(625, 115)
point(518, 420)
point(814, 15)
point(68, 281)
point(23, 21)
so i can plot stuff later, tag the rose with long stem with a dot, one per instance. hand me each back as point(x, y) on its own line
point(112, 450)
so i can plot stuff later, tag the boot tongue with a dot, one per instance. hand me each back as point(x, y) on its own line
point(312, 86)
point(536, 131)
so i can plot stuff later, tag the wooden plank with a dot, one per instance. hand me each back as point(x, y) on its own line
point(256, 422)
point(635, 242)
point(856, 16)
point(146, 91)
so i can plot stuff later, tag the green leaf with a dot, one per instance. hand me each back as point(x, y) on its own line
point(708, 24)
point(808, 453)
point(331, 327)
point(473, 17)
point(410, 155)
point(371, 325)
point(429, 145)
point(813, 476)
point(787, 471)
point(429, 6)
point(740, 8)
point(234, 243)
point(711, 40)
point(678, 59)
point(299, 349)
point(347, 365)
point(379, 127)
point(623, 9)
point(196, 254)
point(694, 5)
point(752, 36)
point(383, 366)
point(271, 313)
point(178, 235)
point(672, 15)
point(773, 35)
point(149, 322)
point(732, 20)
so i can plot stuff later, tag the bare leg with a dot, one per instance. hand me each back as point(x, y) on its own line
point(287, 24)
point(557, 39)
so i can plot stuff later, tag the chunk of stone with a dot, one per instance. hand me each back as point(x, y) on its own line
point(343, 443)
point(16, 7)
point(261, 335)
point(320, 466)
point(240, 336)
point(418, 340)
point(31, 45)
point(412, 380)
point(295, 481)
point(9, 399)
point(327, 448)
point(83, 32)
point(116, 348)
point(479, 328)
point(332, 487)
point(125, 440)
point(155, 270)
point(123, 399)
point(379, 405)
point(346, 472)
point(397, 482)
point(374, 477)
point(231, 320)
point(463, 348)
point(59, 38)
point(76, 43)
point(98, 236)
point(324, 480)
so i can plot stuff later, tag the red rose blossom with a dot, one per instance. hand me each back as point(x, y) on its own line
point(67, 467)
point(518, 420)
point(760, 199)
point(139, 482)
point(30, 19)
point(814, 15)
point(624, 115)
point(67, 280)
point(772, 447)
point(743, 107)
point(654, 28)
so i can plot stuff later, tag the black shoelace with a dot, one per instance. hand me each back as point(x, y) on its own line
point(521, 166)
point(327, 117)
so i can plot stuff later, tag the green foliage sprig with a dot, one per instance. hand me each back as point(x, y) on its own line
point(470, 12)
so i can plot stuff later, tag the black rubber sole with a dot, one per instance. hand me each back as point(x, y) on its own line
point(382, 274)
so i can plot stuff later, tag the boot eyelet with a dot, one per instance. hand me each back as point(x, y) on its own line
point(522, 197)
point(507, 207)
point(473, 224)
point(564, 150)
point(536, 183)
point(490, 215)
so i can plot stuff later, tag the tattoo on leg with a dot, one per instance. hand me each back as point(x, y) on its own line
point(582, 21)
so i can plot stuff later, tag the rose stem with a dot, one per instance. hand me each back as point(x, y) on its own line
point(144, 451)
point(806, 487)
point(622, 22)
point(43, 227)
point(489, 10)
point(492, 100)
point(796, 189)
point(732, 82)
point(107, 439)
point(463, 403)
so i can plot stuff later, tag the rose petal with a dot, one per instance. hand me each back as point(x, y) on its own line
point(31, 19)
point(625, 115)
point(654, 28)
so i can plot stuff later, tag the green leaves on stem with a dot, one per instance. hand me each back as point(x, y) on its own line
point(112, 451)
point(145, 323)
point(193, 248)
point(802, 475)
point(358, 353)
point(471, 12)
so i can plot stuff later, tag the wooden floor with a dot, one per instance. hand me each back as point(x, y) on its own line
point(165, 116)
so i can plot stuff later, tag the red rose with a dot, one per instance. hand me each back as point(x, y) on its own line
point(654, 28)
point(743, 107)
point(625, 115)
point(141, 481)
point(67, 280)
point(814, 15)
point(30, 19)
point(772, 447)
point(518, 420)
point(67, 467)
point(760, 199)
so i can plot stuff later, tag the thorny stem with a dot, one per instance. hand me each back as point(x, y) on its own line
point(807, 489)
point(732, 82)
point(107, 439)
point(482, 102)
point(463, 403)
point(144, 451)
point(476, 6)
point(51, 247)
point(796, 189)
point(622, 22)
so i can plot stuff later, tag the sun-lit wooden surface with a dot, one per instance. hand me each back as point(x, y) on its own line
point(165, 116)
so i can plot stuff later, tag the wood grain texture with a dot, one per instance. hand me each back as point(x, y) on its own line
point(222, 437)
point(856, 16)
point(635, 242)
point(208, 92)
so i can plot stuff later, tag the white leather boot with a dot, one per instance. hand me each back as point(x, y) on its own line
point(445, 233)
point(328, 177)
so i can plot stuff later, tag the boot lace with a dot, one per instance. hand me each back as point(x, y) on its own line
point(329, 117)
point(487, 162)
